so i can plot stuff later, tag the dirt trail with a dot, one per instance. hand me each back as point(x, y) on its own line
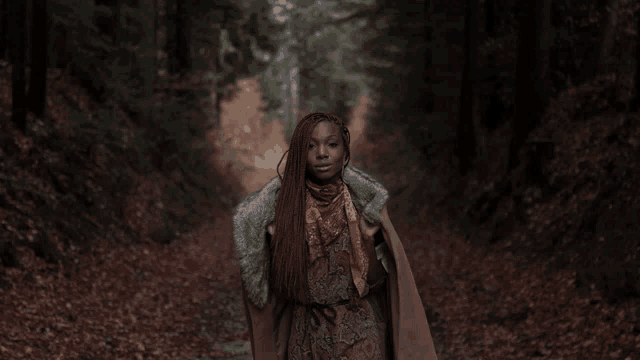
point(182, 301)
point(145, 301)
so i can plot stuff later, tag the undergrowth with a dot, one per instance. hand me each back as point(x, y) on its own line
point(572, 202)
point(91, 171)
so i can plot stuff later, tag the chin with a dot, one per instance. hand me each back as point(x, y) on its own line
point(326, 176)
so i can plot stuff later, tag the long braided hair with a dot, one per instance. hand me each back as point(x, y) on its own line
point(289, 252)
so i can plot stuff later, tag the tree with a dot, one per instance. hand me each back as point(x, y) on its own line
point(109, 24)
point(18, 37)
point(38, 77)
point(170, 26)
point(494, 116)
point(183, 35)
point(532, 73)
point(116, 22)
point(635, 102)
point(466, 139)
point(179, 36)
point(397, 54)
point(4, 27)
point(320, 61)
point(147, 55)
point(607, 39)
point(491, 18)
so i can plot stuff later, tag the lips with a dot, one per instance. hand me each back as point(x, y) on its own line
point(323, 168)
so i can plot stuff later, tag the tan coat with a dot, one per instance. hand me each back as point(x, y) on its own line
point(410, 330)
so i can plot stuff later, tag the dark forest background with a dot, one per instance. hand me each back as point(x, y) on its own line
point(515, 120)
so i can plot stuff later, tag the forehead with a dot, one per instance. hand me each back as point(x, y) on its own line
point(325, 129)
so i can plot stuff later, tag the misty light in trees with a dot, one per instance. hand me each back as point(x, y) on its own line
point(318, 64)
point(278, 10)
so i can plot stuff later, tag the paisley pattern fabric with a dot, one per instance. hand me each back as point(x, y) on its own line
point(341, 324)
point(333, 201)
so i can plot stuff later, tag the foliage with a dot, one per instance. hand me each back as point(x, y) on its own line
point(397, 54)
point(109, 168)
point(411, 74)
point(319, 42)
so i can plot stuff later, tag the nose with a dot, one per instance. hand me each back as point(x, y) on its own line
point(322, 151)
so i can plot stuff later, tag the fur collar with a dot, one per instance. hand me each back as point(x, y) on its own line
point(258, 210)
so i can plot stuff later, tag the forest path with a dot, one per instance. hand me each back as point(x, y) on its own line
point(183, 301)
point(143, 301)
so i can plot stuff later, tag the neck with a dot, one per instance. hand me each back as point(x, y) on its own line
point(334, 181)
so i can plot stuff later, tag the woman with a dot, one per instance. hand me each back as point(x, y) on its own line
point(324, 274)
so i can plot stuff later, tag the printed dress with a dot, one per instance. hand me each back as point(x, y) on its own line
point(340, 325)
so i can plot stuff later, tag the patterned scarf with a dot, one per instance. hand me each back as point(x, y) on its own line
point(325, 220)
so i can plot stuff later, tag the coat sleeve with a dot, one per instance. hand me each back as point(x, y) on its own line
point(260, 321)
point(269, 327)
point(411, 336)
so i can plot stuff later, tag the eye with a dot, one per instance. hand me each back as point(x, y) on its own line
point(333, 145)
point(310, 146)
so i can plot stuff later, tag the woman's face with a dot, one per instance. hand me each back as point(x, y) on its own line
point(326, 153)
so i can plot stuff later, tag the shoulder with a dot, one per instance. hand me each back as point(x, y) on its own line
point(258, 202)
point(368, 194)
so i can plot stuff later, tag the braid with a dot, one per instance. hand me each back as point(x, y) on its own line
point(289, 252)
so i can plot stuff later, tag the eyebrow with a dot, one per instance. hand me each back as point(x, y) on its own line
point(328, 137)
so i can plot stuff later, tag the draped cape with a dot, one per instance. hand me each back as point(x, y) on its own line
point(269, 318)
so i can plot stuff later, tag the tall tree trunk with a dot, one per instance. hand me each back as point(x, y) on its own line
point(294, 80)
point(490, 21)
point(543, 49)
point(492, 117)
point(183, 36)
point(635, 102)
point(170, 44)
point(116, 22)
point(218, 67)
point(156, 27)
point(18, 74)
point(294, 74)
point(600, 55)
point(466, 140)
point(38, 77)
point(608, 37)
point(219, 92)
point(29, 33)
point(283, 77)
point(532, 74)
point(427, 29)
point(58, 45)
point(147, 56)
point(556, 74)
point(4, 28)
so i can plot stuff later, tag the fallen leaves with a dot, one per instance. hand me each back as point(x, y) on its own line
point(102, 311)
point(180, 300)
point(530, 312)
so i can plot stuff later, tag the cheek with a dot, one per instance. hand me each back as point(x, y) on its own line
point(310, 159)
